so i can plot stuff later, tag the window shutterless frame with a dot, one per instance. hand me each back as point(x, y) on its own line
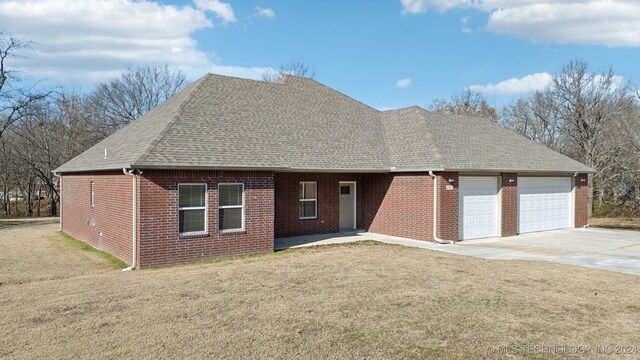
point(222, 207)
point(205, 208)
point(92, 189)
point(303, 187)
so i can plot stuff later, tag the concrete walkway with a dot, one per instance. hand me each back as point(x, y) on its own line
point(613, 250)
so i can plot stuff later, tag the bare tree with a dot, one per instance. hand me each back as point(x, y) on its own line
point(296, 68)
point(468, 102)
point(590, 117)
point(536, 119)
point(16, 103)
point(136, 91)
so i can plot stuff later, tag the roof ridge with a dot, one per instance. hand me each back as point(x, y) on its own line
point(429, 135)
point(170, 124)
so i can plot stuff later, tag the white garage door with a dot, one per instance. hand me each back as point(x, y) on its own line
point(543, 203)
point(478, 207)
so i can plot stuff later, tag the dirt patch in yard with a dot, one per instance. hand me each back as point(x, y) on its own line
point(616, 223)
point(347, 301)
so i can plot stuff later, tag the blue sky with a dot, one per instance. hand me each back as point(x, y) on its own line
point(387, 54)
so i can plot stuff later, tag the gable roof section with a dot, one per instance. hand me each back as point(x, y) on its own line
point(298, 124)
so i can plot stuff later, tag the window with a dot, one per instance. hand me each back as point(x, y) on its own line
point(230, 207)
point(192, 208)
point(308, 200)
point(345, 190)
point(92, 187)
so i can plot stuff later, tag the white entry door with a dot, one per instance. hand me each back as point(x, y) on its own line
point(347, 205)
point(544, 203)
point(478, 207)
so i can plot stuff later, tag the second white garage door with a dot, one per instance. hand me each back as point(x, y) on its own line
point(543, 203)
point(478, 207)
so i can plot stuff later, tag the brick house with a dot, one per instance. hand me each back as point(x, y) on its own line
point(227, 165)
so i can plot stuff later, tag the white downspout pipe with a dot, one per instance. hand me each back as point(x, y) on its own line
point(135, 218)
point(59, 198)
point(435, 211)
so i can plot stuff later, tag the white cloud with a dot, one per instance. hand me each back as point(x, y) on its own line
point(403, 83)
point(264, 12)
point(78, 43)
point(529, 84)
point(222, 10)
point(515, 86)
point(594, 22)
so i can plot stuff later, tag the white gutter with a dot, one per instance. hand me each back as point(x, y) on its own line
point(135, 218)
point(60, 198)
point(435, 211)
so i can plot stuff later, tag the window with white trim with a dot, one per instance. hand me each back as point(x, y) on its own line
point(92, 189)
point(230, 207)
point(192, 208)
point(308, 200)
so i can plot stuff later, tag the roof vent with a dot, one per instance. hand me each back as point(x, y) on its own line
point(105, 153)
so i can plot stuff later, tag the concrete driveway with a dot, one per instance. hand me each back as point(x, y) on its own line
point(613, 250)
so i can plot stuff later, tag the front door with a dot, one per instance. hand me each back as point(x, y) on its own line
point(347, 205)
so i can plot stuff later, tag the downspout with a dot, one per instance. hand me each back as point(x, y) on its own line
point(435, 211)
point(135, 218)
point(59, 198)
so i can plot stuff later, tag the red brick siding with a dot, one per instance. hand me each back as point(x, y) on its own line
point(509, 202)
point(160, 243)
point(288, 222)
point(398, 205)
point(581, 200)
point(448, 213)
point(107, 225)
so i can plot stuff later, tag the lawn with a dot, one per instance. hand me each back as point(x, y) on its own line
point(350, 301)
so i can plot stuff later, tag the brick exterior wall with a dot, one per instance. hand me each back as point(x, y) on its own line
point(581, 200)
point(160, 243)
point(108, 224)
point(287, 219)
point(392, 204)
point(398, 205)
point(509, 201)
point(447, 214)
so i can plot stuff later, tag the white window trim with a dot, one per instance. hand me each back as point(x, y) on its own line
point(92, 189)
point(303, 183)
point(231, 207)
point(205, 208)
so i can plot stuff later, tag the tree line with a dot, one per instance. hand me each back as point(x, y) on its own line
point(589, 116)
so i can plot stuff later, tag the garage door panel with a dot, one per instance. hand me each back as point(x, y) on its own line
point(543, 204)
point(478, 207)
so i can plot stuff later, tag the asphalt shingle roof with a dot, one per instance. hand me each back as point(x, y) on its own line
point(298, 124)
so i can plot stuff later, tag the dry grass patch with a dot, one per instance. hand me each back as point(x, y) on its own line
point(347, 301)
point(33, 250)
point(616, 223)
